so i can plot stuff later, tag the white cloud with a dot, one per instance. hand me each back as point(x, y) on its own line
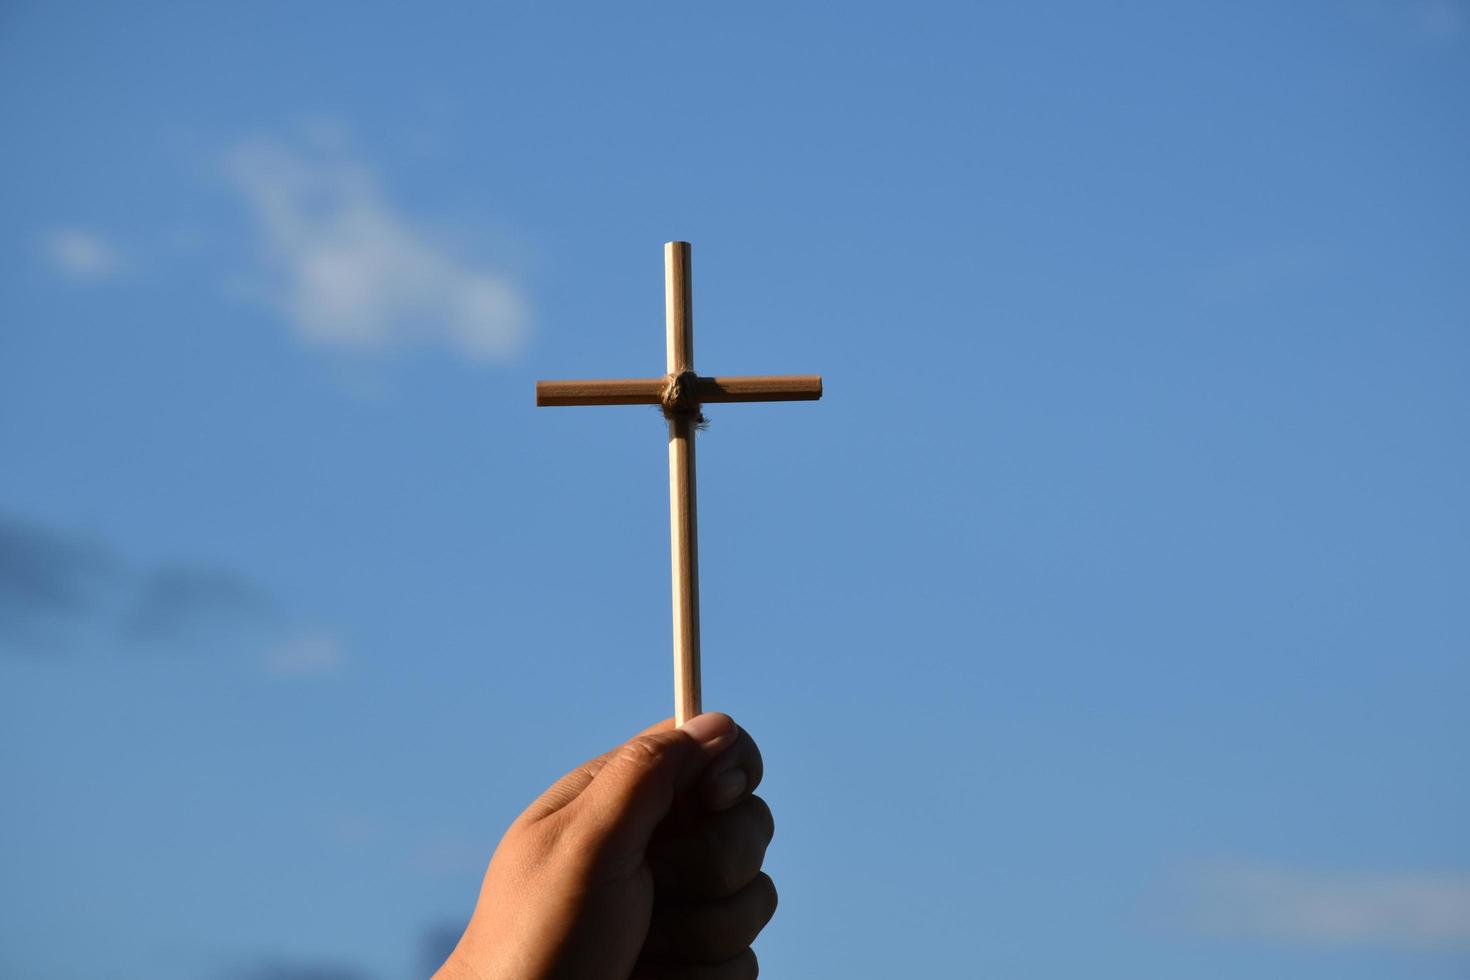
point(1332, 908)
point(348, 271)
point(310, 652)
point(81, 254)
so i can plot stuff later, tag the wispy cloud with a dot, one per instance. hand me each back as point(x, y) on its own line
point(348, 270)
point(175, 604)
point(48, 581)
point(80, 254)
point(63, 591)
point(312, 651)
point(1330, 908)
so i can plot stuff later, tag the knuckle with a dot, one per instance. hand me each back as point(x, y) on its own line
point(714, 934)
point(529, 846)
point(728, 875)
point(754, 764)
point(769, 898)
point(643, 752)
point(744, 966)
point(728, 940)
point(744, 920)
point(731, 850)
point(723, 863)
point(761, 813)
point(588, 770)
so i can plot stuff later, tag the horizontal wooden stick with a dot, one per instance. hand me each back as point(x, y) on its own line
point(648, 391)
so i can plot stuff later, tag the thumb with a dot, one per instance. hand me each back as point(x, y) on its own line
point(635, 789)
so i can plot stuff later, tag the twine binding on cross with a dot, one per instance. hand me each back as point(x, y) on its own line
point(678, 401)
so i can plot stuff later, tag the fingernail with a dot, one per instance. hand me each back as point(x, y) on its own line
point(726, 788)
point(708, 727)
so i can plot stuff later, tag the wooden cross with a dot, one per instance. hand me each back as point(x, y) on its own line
point(680, 393)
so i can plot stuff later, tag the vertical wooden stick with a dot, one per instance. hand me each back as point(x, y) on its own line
point(683, 526)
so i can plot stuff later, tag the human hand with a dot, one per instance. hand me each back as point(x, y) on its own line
point(641, 864)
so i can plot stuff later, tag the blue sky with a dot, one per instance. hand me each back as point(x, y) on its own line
point(1108, 615)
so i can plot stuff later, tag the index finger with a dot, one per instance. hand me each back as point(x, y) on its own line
point(569, 787)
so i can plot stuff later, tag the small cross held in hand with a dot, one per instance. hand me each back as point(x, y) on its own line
point(681, 393)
